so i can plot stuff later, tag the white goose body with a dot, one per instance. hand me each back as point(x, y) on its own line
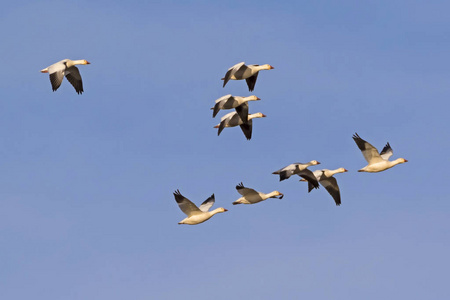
point(232, 119)
point(196, 215)
point(251, 196)
point(237, 102)
point(200, 218)
point(377, 162)
point(326, 179)
point(66, 67)
point(241, 71)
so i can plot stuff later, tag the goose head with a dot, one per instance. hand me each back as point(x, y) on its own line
point(277, 193)
point(70, 63)
point(220, 210)
point(400, 160)
point(256, 115)
point(252, 98)
point(341, 170)
point(314, 162)
point(267, 67)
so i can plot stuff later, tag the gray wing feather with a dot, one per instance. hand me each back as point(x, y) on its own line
point(330, 184)
point(74, 77)
point(186, 205)
point(369, 152)
point(56, 79)
point(309, 176)
point(244, 190)
point(247, 129)
point(251, 81)
point(242, 111)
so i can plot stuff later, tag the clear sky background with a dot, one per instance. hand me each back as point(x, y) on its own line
point(86, 181)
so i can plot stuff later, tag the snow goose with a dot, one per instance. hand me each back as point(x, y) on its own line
point(250, 196)
point(249, 73)
point(232, 119)
point(66, 67)
point(196, 215)
point(326, 179)
point(377, 162)
point(237, 102)
point(301, 170)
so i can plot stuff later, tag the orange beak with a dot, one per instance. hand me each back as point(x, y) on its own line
point(217, 126)
point(271, 68)
point(345, 170)
point(257, 98)
point(264, 115)
point(88, 63)
point(225, 209)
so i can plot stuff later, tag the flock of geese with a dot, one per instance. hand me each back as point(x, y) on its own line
point(376, 161)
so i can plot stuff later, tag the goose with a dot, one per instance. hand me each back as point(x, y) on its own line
point(250, 196)
point(249, 73)
point(326, 179)
point(301, 170)
point(237, 102)
point(232, 119)
point(196, 215)
point(66, 67)
point(377, 162)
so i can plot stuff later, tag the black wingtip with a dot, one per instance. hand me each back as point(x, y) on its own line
point(240, 186)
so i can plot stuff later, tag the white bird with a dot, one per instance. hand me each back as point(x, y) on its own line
point(301, 170)
point(250, 196)
point(377, 162)
point(196, 215)
point(232, 119)
point(237, 102)
point(249, 73)
point(326, 179)
point(66, 67)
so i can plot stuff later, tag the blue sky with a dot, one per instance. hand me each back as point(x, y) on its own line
point(86, 204)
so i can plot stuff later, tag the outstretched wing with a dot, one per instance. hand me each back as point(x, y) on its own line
point(247, 129)
point(56, 79)
point(220, 103)
point(231, 71)
point(251, 81)
point(330, 184)
point(244, 190)
point(206, 205)
point(318, 174)
point(242, 111)
point(186, 205)
point(370, 152)
point(74, 77)
point(386, 152)
point(309, 176)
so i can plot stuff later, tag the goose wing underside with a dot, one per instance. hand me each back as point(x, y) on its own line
point(330, 184)
point(207, 204)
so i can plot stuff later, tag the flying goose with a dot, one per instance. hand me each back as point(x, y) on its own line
point(250, 196)
point(196, 215)
point(237, 102)
point(377, 162)
point(301, 170)
point(66, 67)
point(326, 179)
point(249, 73)
point(232, 119)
